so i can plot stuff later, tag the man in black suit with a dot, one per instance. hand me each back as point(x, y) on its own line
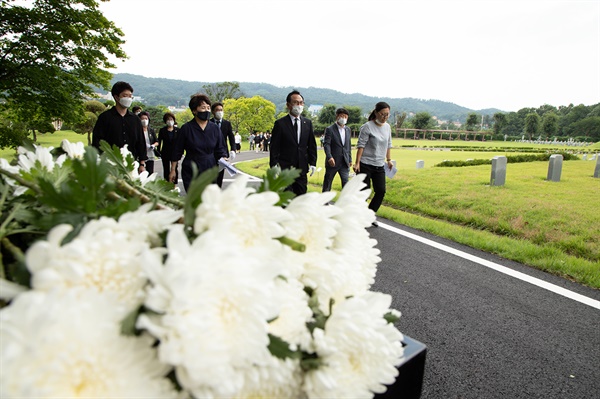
point(225, 126)
point(293, 143)
point(338, 153)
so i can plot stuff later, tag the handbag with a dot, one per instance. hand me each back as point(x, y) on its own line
point(157, 153)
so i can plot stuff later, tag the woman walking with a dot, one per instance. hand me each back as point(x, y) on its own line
point(374, 152)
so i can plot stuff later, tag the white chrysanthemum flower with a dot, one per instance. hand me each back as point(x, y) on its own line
point(352, 240)
point(27, 159)
point(240, 212)
point(359, 348)
point(9, 290)
point(277, 379)
point(148, 224)
point(15, 170)
point(290, 324)
point(214, 303)
point(73, 150)
point(70, 346)
point(104, 257)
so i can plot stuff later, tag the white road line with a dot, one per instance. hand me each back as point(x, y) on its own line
point(499, 268)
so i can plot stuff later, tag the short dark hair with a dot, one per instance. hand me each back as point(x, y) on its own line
point(197, 99)
point(341, 111)
point(136, 108)
point(289, 96)
point(144, 113)
point(120, 87)
point(215, 105)
point(378, 107)
point(169, 115)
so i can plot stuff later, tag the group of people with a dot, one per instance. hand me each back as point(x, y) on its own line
point(259, 141)
point(291, 143)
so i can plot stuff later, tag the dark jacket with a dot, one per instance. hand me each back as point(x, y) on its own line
point(332, 144)
point(120, 130)
point(285, 150)
point(166, 142)
point(227, 131)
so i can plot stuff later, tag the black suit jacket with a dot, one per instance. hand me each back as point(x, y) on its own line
point(228, 135)
point(166, 142)
point(285, 150)
point(332, 144)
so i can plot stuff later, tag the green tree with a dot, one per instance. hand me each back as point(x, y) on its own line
point(421, 120)
point(327, 114)
point(355, 114)
point(250, 114)
point(86, 125)
point(532, 125)
point(588, 127)
point(53, 53)
point(550, 124)
point(499, 122)
point(472, 120)
point(219, 92)
point(94, 106)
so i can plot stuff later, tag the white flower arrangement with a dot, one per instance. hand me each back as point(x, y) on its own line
point(115, 286)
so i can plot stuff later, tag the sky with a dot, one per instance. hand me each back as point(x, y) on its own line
point(508, 54)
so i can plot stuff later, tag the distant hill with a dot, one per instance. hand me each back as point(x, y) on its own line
point(161, 91)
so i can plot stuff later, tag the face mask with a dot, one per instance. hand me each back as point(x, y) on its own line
point(203, 115)
point(170, 123)
point(342, 121)
point(297, 110)
point(219, 115)
point(144, 122)
point(379, 121)
point(125, 101)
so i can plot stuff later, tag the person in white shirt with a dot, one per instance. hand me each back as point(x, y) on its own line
point(238, 142)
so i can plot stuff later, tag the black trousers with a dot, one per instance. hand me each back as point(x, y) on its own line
point(300, 185)
point(376, 177)
point(330, 173)
point(167, 169)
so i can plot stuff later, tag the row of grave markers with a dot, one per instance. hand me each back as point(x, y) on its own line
point(498, 176)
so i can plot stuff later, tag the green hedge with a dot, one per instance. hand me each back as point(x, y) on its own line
point(509, 159)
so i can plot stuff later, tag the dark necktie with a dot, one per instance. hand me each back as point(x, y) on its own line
point(219, 124)
point(296, 129)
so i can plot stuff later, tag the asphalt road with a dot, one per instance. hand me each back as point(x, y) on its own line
point(488, 334)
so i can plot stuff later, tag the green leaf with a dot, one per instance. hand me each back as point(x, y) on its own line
point(128, 323)
point(310, 361)
point(277, 180)
point(391, 317)
point(281, 349)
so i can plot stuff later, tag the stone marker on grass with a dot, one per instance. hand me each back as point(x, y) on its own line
point(420, 164)
point(554, 167)
point(597, 170)
point(498, 177)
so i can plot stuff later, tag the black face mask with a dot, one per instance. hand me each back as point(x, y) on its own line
point(203, 115)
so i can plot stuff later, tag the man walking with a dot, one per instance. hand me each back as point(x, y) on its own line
point(293, 143)
point(338, 154)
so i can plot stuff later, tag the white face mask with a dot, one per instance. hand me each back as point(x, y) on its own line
point(342, 121)
point(170, 123)
point(145, 122)
point(219, 115)
point(125, 102)
point(297, 110)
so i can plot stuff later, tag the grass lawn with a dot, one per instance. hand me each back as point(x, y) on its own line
point(554, 226)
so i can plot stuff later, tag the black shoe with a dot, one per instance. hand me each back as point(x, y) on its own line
point(375, 224)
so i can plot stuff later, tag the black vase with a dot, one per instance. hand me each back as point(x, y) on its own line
point(409, 382)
